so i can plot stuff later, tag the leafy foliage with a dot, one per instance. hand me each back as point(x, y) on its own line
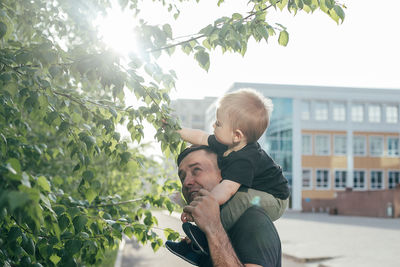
point(70, 186)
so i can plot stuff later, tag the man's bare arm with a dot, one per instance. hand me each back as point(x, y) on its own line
point(205, 211)
point(194, 136)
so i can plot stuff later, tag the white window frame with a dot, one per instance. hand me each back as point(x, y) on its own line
point(390, 117)
point(334, 179)
point(329, 179)
point(369, 146)
point(316, 114)
point(329, 145)
point(311, 178)
point(302, 115)
point(365, 146)
point(340, 118)
point(388, 176)
point(362, 115)
point(365, 179)
point(370, 118)
point(370, 179)
point(398, 146)
point(334, 145)
point(311, 144)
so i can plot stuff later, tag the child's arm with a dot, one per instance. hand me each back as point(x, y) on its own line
point(194, 136)
point(224, 191)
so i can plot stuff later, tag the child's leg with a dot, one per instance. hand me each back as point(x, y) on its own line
point(273, 206)
point(244, 199)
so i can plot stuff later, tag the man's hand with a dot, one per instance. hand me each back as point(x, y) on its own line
point(186, 217)
point(205, 211)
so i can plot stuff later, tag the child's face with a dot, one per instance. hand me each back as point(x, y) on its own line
point(222, 129)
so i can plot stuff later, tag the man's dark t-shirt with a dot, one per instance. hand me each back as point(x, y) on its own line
point(254, 239)
point(251, 167)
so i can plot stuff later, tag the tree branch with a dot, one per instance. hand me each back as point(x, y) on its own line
point(203, 35)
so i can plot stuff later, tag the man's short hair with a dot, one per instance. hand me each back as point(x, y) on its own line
point(191, 149)
point(248, 111)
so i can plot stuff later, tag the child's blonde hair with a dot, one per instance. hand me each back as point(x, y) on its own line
point(248, 111)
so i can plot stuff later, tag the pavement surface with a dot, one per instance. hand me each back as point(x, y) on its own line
point(339, 241)
point(308, 240)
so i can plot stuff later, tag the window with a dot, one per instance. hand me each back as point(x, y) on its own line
point(394, 179)
point(339, 112)
point(359, 180)
point(392, 114)
point(340, 144)
point(340, 179)
point(357, 113)
point(322, 145)
point(305, 110)
point(393, 146)
point(376, 180)
point(307, 178)
point(359, 145)
point(306, 144)
point(321, 111)
point(374, 113)
point(322, 179)
point(376, 146)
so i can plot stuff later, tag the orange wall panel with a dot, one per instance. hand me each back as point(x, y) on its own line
point(324, 162)
point(321, 194)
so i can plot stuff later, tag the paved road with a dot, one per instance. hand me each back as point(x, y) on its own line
point(308, 240)
point(342, 240)
point(136, 255)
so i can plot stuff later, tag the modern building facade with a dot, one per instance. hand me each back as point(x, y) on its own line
point(192, 112)
point(331, 139)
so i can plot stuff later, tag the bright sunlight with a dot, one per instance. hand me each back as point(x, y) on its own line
point(116, 29)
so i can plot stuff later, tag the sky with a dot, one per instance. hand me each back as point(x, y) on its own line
point(364, 51)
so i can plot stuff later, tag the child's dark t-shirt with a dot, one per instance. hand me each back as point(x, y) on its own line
point(251, 167)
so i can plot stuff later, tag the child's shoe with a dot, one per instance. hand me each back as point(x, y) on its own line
point(185, 251)
point(198, 238)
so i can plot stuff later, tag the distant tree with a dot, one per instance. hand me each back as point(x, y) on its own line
point(69, 185)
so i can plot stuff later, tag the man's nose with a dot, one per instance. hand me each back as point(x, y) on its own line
point(189, 180)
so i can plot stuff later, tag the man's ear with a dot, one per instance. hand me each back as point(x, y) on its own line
point(238, 136)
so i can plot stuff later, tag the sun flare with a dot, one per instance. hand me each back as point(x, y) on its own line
point(116, 29)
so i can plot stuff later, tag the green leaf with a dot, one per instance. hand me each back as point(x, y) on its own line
point(168, 30)
point(79, 223)
point(14, 167)
point(203, 58)
point(88, 175)
point(63, 222)
point(14, 233)
point(90, 195)
point(171, 234)
point(3, 29)
point(54, 70)
point(129, 230)
point(281, 4)
point(125, 157)
point(339, 11)
point(43, 183)
point(73, 246)
point(29, 246)
point(55, 259)
point(17, 199)
point(283, 38)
